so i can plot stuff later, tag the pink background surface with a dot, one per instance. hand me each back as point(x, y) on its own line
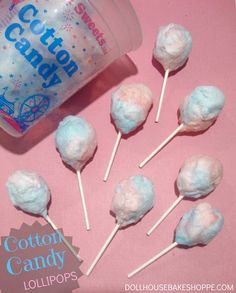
point(212, 62)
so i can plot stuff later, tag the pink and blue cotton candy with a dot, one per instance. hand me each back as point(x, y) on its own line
point(173, 46)
point(199, 176)
point(199, 225)
point(29, 192)
point(76, 141)
point(201, 108)
point(130, 106)
point(132, 199)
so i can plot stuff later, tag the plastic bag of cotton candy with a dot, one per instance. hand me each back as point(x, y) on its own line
point(50, 49)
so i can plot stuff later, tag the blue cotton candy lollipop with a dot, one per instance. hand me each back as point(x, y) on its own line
point(201, 108)
point(172, 48)
point(76, 142)
point(130, 106)
point(132, 199)
point(30, 192)
point(198, 226)
point(198, 176)
point(198, 112)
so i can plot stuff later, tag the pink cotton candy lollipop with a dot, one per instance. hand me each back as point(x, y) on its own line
point(129, 109)
point(132, 199)
point(198, 112)
point(198, 226)
point(172, 48)
point(198, 176)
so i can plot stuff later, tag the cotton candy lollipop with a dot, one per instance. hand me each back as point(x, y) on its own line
point(76, 141)
point(198, 112)
point(198, 226)
point(29, 192)
point(129, 109)
point(132, 199)
point(198, 176)
point(172, 48)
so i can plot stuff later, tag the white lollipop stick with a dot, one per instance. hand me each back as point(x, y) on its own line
point(144, 162)
point(83, 200)
point(162, 95)
point(170, 209)
point(113, 233)
point(164, 251)
point(112, 156)
point(62, 237)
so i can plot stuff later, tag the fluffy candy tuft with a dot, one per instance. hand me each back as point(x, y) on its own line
point(29, 192)
point(199, 225)
point(130, 106)
point(76, 141)
point(173, 46)
point(132, 199)
point(199, 176)
point(199, 110)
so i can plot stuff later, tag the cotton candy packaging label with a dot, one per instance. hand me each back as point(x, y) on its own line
point(45, 49)
point(49, 49)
